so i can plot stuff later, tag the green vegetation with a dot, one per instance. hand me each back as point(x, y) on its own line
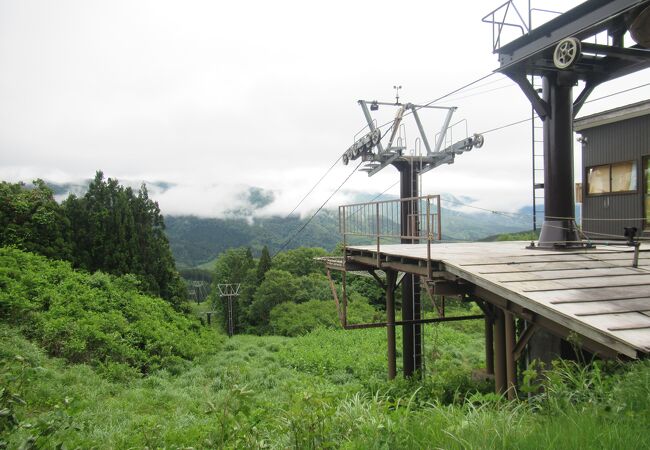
point(111, 228)
point(321, 390)
point(97, 319)
point(288, 295)
point(521, 236)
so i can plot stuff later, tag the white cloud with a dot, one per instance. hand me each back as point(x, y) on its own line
point(219, 96)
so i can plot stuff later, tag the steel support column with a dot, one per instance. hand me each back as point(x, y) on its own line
point(558, 229)
point(511, 371)
point(391, 279)
point(411, 334)
point(489, 345)
point(500, 381)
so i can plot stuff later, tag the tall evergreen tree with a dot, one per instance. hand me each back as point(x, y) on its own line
point(264, 264)
point(119, 232)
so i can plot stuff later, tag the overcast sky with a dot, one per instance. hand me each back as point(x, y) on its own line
point(217, 96)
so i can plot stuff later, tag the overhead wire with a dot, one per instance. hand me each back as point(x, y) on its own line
point(317, 211)
point(616, 93)
point(528, 119)
point(314, 186)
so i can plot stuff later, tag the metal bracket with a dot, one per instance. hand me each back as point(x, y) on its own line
point(540, 106)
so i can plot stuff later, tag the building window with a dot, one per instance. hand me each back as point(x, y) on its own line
point(608, 178)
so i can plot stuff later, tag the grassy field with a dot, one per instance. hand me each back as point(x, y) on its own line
point(322, 390)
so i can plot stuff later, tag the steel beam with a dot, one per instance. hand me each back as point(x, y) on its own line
point(489, 345)
point(358, 326)
point(583, 21)
point(371, 124)
point(511, 373)
point(500, 378)
point(391, 280)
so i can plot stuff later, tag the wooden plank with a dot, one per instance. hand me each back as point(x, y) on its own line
point(586, 295)
point(637, 338)
point(557, 265)
point(618, 322)
point(606, 307)
point(552, 314)
point(563, 274)
point(580, 283)
point(486, 259)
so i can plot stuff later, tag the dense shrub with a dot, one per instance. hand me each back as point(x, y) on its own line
point(31, 219)
point(295, 319)
point(97, 319)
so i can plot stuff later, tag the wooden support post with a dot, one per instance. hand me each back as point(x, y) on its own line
point(391, 281)
point(336, 298)
point(209, 318)
point(510, 356)
point(489, 345)
point(500, 381)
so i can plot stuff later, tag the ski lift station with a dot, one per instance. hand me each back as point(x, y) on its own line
point(590, 285)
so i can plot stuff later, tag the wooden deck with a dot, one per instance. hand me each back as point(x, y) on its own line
point(596, 293)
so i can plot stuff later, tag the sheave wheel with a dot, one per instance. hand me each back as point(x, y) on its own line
point(566, 53)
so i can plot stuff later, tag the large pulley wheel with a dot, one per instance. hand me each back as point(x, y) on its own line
point(479, 140)
point(375, 139)
point(566, 53)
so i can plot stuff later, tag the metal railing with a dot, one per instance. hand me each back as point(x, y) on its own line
point(407, 221)
point(508, 16)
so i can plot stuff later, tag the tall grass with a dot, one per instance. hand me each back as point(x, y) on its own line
point(271, 392)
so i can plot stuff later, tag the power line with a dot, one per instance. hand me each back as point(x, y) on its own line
point(314, 186)
point(501, 213)
point(386, 190)
point(589, 101)
point(317, 211)
point(454, 99)
point(507, 125)
point(616, 93)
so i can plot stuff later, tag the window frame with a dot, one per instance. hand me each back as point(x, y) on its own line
point(609, 167)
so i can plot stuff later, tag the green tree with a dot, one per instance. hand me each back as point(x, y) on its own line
point(314, 286)
point(279, 286)
point(116, 231)
point(264, 264)
point(31, 219)
point(300, 261)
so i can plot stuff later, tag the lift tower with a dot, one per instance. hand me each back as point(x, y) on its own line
point(410, 168)
point(558, 52)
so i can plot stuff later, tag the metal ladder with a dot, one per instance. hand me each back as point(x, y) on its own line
point(537, 148)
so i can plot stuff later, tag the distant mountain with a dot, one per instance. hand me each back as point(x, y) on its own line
point(195, 240)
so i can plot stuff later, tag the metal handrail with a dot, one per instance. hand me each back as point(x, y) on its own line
point(498, 25)
point(382, 220)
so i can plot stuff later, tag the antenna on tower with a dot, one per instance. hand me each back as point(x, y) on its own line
point(397, 88)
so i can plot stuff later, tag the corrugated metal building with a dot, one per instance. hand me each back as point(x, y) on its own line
point(616, 171)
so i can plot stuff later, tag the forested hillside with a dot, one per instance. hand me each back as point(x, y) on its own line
point(110, 228)
point(195, 240)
